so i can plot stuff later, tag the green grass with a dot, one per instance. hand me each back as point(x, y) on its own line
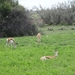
point(25, 59)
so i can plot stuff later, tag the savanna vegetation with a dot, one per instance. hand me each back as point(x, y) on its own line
point(56, 26)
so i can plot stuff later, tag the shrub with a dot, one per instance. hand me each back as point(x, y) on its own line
point(18, 23)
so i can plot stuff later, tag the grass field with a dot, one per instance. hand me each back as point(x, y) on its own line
point(25, 59)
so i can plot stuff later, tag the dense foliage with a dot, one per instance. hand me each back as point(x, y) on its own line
point(18, 23)
point(5, 8)
point(63, 13)
point(15, 20)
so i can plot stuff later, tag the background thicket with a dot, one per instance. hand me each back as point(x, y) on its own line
point(15, 20)
point(62, 13)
